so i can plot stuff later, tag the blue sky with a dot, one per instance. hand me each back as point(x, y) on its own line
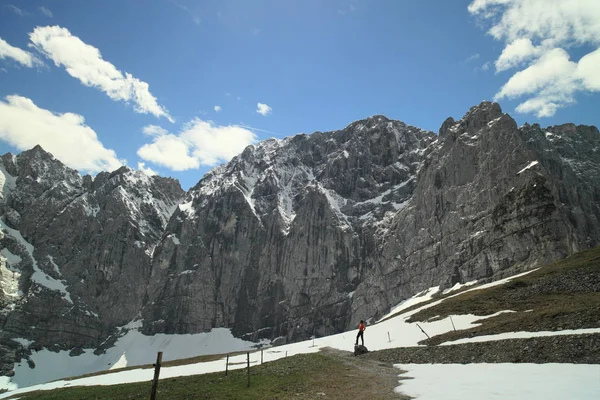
point(312, 64)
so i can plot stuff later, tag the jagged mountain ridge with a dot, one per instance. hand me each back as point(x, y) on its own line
point(76, 250)
point(312, 233)
point(298, 236)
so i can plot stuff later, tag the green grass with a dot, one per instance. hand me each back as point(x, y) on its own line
point(173, 363)
point(297, 377)
point(562, 295)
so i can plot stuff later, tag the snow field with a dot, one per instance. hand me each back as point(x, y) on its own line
point(135, 349)
point(500, 381)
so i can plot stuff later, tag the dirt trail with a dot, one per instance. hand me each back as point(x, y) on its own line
point(373, 379)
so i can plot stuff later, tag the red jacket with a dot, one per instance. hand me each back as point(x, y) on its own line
point(361, 327)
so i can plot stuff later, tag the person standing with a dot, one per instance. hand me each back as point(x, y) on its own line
point(361, 330)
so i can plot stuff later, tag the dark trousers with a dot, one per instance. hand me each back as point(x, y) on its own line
point(362, 339)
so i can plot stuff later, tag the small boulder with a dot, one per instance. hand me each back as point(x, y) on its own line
point(76, 351)
point(360, 350)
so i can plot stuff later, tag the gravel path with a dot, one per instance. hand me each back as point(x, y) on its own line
point(382, 376)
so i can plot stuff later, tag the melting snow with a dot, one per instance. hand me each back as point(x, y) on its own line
point(54, 265)
point(9, 281)
point(174, 239)
point(38, 276)
point(500, 381)
point(459, 286)
point(23, 342)
point(522, 335)
point(247, 189)
point(7, 182)
point(187, 208)
point(135, 348)
point(531, 164)
point(131, 349)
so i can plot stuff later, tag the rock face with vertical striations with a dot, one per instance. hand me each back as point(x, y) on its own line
point(75, 251)
point(292, 238)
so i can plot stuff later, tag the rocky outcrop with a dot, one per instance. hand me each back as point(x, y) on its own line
point(311, 234)
point(292, 238)
point(76, 250)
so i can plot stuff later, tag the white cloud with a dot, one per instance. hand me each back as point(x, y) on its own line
point(588, 70)
point(486, 66)
point(24, 125)
point(85, 63)
point(147, 170)
point(199, 143)
point(154, 130)
point(515, 53)
point(263, 109)
point(550, 70)
point(537, 35)
point(21, 56)
point(46, 12)
point(217, 108)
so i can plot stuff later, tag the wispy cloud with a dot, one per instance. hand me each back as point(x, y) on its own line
point(21, 56)
point(25, 125)
point(263, 109)
point(46, 12)
point(472, 57)
point(536, 36)
point(347, 6)
point(195, 17)
point(85, 62)
point(241, 125)
point(198, 143)
point(15, 9)
point(217, 108)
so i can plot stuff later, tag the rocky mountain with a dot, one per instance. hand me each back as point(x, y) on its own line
point(293, 237)
point(76, 251)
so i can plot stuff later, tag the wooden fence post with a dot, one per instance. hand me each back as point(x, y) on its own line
point(261, 356)
point(156, 374)
point(227, 365)
point(248, 355)
point(389, 340)
point(452, 324)
point(423, 331)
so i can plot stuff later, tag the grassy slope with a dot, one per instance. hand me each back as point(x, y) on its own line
point(298, 377)
point(562, 295)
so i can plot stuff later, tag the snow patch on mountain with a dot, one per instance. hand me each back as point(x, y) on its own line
point(133, 348)
point(38, 275)
point(7, 182)
point(246, 185)
point(531, 164)
point(9, 279)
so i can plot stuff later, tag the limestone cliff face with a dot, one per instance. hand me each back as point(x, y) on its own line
point(293, 237)
point(312, 233)
point(75, 250)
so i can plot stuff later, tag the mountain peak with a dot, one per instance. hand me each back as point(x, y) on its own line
point(476, 118)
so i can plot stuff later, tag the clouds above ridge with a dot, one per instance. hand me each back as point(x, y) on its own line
point(537, 35)
point(199, 143)
point(85, 63)
point(24, 125)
